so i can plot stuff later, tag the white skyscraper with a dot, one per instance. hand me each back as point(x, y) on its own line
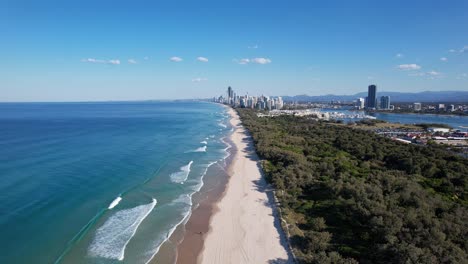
point(360, 103)
point(417, 106)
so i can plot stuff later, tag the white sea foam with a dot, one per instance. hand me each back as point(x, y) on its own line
point(228, 146)
point(115, 202)
point(185, 199)
point(112, 237)
point(198, 187)
point(200, 149)
point(204, 142)
point(222, 125)
point(182, 175)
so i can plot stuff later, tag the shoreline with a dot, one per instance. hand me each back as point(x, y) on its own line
point(243, 225)
point(193, 233)
point(185, 243)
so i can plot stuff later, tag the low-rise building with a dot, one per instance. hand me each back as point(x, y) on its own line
point(438, 129)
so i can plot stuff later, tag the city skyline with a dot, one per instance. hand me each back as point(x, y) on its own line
point(87, 51)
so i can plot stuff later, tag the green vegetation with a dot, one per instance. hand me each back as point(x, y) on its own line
point(370, 122)
point(351, 196)
point(426, 126)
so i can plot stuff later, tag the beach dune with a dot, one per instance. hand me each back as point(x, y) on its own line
point(245, 227)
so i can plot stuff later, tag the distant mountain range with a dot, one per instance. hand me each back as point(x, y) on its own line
point(427, 96)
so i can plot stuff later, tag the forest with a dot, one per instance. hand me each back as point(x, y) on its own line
point(352, 196)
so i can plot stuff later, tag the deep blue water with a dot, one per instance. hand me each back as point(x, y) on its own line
point(63, 164)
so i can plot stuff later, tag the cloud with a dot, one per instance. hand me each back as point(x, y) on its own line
point(443, 59)
point(399, 55)
point(99, 61)
point(261, 60)
point(430, 74)
point(254, 60)
point(417, 74)
point(146, 58)
point(253, 47)
point(132, 61)
point(202, 59)
point(409, 67)
point(462, 50)
point(434, 75)
point(92, 60)
point(199, 79)
point(462, 76)
point(242, 61)
point(176, 59)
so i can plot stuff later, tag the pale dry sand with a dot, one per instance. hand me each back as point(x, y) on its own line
point(245, 228)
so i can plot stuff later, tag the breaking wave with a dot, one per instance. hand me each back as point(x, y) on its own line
point(184, 199)
point(200, 149)
point(115, 202)
point(182, 175)
point(112, 237)
point(222, 125)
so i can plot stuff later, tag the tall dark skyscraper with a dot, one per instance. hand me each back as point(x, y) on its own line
point(230, 92)
point(371, 96)
point(385, 102)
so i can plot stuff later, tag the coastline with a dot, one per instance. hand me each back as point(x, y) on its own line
point(193, 233)
point(244, 226)
point(186, 242)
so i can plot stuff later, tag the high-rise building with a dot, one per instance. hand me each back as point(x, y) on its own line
point(279, 103)
point(269, 104)
point(242, 102)
point(417, 106)
point(360, 103)
point(230, 95)
point(371, 96)
point(385, 102)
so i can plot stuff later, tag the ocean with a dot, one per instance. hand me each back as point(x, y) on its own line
point(102, 182)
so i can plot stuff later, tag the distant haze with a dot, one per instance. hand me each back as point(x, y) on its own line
point(428, 96)
point(144, 50)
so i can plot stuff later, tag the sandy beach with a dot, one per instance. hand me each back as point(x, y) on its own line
point(245, 227)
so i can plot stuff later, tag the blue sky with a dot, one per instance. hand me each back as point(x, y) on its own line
point(134, 50)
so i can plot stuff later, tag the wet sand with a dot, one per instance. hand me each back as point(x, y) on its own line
point(236, 221)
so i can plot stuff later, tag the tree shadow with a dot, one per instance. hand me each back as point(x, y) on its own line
point(278, 261)
point(261, 185)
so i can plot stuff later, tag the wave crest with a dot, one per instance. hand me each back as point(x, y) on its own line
point(115, 202)
point(112, 237)
point(182, 175)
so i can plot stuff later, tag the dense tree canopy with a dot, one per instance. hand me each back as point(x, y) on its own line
point(350, 195)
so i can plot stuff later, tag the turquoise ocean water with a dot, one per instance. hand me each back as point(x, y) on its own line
point(101, 182)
